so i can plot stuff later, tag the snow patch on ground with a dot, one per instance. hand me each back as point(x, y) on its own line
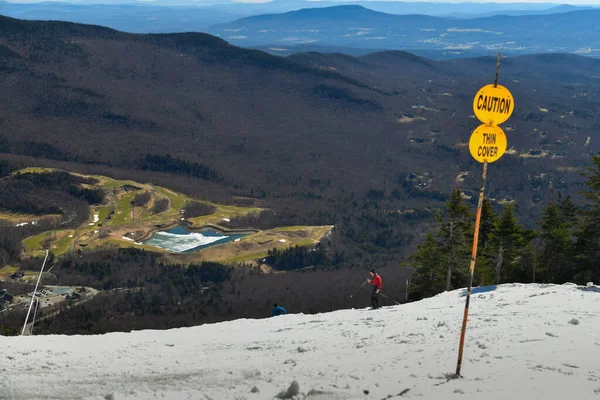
point(26, 223)
point(522, 342)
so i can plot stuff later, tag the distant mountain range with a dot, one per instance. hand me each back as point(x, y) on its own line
point(435, 30)
point(356, 26)
point(463, 9)
point(135, 18)
point(164, 16)
point(553, 10)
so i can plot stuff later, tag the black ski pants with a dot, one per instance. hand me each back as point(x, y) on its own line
point(375, 298)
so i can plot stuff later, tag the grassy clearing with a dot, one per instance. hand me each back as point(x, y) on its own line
point(223, 212)
point(177, 200)
point(64, 242)
point(34, 243)
point(245, 258)
point(120, 243)
point(255, 246)
point(102, 212)
point(7, 271)
point(36, 170)
point(15, 218)
point(249, 248)
point(31, 276)
point(289, 228)
point(108, 183)
point(60, 244)
point(123, 210)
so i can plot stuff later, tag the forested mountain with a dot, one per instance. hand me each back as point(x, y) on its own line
point(322, 138)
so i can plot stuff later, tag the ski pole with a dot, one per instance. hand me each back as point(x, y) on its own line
point(364, 283)
point(388, 298)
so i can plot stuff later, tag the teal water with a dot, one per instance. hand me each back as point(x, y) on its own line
point(180, 240)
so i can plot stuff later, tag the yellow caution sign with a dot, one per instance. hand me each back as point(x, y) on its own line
point(487, 143)
point(493, 105)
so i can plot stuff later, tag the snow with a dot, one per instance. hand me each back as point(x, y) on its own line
point(96, 217)
point(282, 240)
point(26, 223)
point(226, 220)
point(523, 342)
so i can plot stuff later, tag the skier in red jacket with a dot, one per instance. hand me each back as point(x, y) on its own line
point(376, 282)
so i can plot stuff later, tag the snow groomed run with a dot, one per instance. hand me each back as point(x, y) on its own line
point(523, 342)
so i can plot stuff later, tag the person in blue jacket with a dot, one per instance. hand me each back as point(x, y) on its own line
point(277, 310)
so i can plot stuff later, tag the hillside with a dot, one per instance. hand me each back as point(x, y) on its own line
point(372, 145)
point(129, 214)
point(357, 26)
point(523, 341)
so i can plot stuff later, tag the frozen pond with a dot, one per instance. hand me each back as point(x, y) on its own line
point(179, 240)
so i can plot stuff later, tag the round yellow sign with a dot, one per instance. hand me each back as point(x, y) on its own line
point(493, 105)
point(487, 143)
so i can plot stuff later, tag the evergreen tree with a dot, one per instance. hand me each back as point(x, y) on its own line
point(555, 259)
point(484, 274)
point(569, 211)
point(429, 277)
point(525, 266)
point(506, 241)
point(588, 236)
point(456, 236)
point(488, 220)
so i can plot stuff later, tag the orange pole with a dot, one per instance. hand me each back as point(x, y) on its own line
point(471, 270)
point(474, 252)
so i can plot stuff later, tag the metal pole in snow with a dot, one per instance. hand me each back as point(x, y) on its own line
point(474, 252)
point(33, 294)
point(471, 270)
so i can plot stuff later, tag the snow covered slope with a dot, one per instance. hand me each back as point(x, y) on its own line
point(523, 342)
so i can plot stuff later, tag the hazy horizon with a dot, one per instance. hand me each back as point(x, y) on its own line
point(213, 2)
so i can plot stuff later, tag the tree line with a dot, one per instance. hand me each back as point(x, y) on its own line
point(564, 247)
point(141, 292)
